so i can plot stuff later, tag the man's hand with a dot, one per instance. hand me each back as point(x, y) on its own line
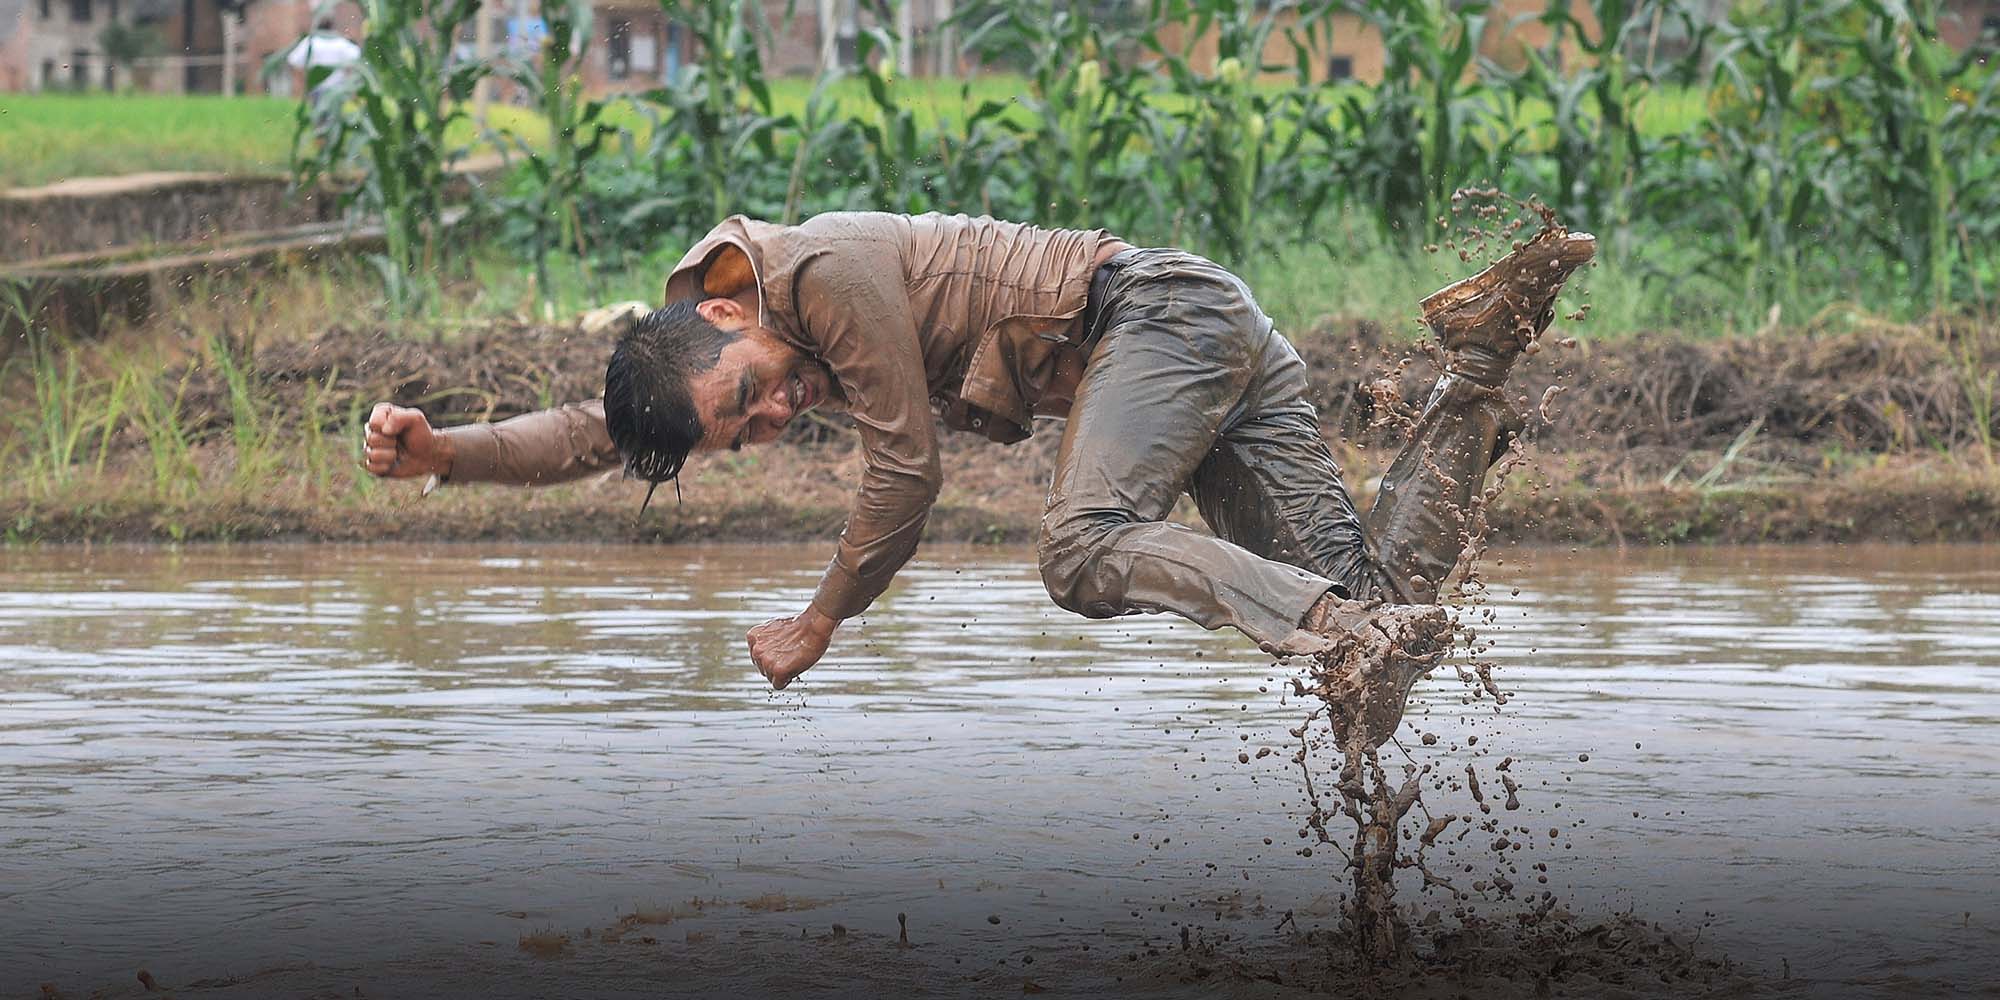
point(400, 444)
point(783, 648)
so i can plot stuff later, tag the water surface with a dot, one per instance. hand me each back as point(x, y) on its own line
point(259, 770)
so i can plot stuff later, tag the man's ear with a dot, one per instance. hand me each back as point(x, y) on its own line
point(725, 313)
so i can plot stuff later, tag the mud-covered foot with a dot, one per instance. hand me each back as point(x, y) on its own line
point(1379, 652)
point(1504, 308)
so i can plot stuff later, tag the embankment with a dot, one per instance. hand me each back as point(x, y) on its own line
point(1865, 434)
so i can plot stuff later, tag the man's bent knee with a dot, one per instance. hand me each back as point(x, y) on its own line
point(1071, 549)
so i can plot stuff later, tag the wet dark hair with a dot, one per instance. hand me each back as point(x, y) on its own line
point(648, 405)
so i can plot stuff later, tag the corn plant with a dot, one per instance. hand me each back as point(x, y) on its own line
point(897, 147)
point(1231, 145)
point(1076, 124)
point(550, 204)
point(1915, 146)
point(825, 143)
point(1433, 124)
point(1754, 176)
point(717, 118)
point(1592, 144)
point(378, 131)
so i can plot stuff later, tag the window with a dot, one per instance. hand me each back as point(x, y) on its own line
point(619, 38)
point(1340, 68)
point(79, 11)
point(110, 75)
point(45, 15)
point(79, 68)
point(48, 73)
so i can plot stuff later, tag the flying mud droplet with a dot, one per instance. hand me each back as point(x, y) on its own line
point(1548, 396)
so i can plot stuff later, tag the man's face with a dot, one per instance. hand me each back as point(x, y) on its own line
point(756, 387)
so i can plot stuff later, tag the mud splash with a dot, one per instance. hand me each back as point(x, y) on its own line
point(1511, 303)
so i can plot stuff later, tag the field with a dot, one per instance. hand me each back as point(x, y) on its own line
point(56, 136)
point(1339, 205)
point(524, 717)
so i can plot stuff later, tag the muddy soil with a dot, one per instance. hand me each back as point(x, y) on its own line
point(1805, 436)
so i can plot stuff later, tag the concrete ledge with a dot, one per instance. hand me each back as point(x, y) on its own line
point(78, 295)
point(96, 214)
point(139, 212)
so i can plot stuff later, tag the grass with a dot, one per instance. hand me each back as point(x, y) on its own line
point(50, 137)
point(54, 136)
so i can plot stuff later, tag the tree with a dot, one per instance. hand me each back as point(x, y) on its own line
point(127, 42)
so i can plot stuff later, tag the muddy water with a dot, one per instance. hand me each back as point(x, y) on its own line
point(294, 770)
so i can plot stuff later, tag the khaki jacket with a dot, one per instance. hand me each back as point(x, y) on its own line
point(917, 317)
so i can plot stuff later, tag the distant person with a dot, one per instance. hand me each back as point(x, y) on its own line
point(1172, 381)
point(328, 48)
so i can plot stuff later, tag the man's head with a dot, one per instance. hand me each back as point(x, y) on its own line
point(325, 24)
point(702, 376)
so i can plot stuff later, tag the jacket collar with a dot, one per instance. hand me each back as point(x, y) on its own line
point(739, 251)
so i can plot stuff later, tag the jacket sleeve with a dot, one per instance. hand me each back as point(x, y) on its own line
point(535, 449)
point(856, 311)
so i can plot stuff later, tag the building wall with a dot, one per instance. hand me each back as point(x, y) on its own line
point(1346, 44)
point(632, 49)
point(15, 30)
point(1349, 47)
point(52, 47)
point(1965, 21)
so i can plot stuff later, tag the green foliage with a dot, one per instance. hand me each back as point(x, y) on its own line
point(550, 204)
point(1433, 124)
point(1592, 149)
point(381, 128)
point(715, 131)
point(1787, 154)
point(127, 42)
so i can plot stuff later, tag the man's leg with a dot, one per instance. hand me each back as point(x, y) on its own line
point(1419, 521)
point(1182, 344)
point(1270, 485)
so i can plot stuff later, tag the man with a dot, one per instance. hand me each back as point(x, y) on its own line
point(1172, 379)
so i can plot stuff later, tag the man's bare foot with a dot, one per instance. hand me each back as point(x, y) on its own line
point(1379, 652)
point(1505, 307)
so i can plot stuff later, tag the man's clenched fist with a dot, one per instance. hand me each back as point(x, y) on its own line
point(784, 648)
point(400, 444)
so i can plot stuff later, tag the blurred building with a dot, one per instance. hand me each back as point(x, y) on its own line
point(76, 44)
point(1966, 24)
point(207, 46)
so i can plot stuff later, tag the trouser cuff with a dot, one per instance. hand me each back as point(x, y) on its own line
point(1483, 365)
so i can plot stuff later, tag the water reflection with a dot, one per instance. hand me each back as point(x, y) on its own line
point(233, 758)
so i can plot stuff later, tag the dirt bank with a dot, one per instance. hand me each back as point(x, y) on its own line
point(1798, 436)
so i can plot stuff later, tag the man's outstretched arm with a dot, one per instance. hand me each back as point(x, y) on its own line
point(534, 449)
point(858, 313)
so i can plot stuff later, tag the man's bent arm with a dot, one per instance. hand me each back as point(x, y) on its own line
point(858, 312)
point(534, 449)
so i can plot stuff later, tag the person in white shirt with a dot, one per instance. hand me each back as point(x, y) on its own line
point(329, 48)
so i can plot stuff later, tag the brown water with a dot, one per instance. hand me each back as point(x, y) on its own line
point(290, 770)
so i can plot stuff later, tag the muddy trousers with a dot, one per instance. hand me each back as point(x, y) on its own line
point(1189, 390)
